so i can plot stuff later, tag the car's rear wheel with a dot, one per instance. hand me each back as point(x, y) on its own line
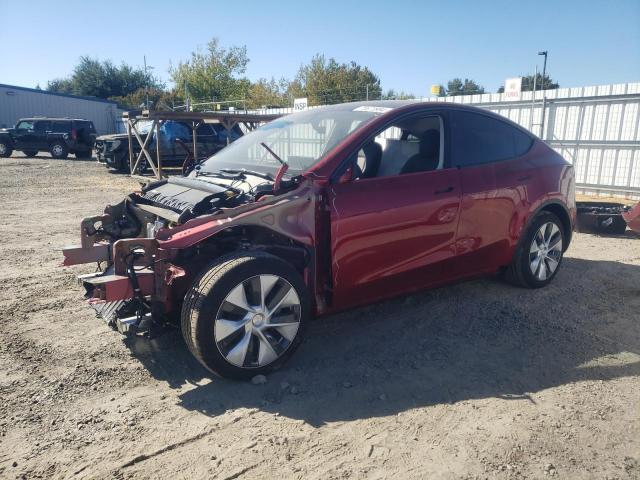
point(245, 315)
point(58, 150)
point(539, 253)
point(5, 149)
point(30, 153)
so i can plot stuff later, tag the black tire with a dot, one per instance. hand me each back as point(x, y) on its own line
point(58, 150)
point(5, 149)
point(30, 153)
point(207, 296)
point(520, 272)
point(84, 154)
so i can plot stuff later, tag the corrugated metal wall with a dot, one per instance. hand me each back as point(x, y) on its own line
point(18, 102)
point(595, 128)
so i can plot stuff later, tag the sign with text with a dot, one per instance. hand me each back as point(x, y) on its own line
point(300, 104)
point(513, 87)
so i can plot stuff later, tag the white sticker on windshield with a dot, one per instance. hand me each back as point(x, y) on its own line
point(367, 108)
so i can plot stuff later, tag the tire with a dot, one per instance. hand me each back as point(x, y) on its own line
point(5, 149)
point(243, 344)
point(84, 154)
point(58, 150)
point(30, 153)
point(536, 260)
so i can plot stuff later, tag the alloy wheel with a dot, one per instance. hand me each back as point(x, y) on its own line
point(257, 321)
point(3, 149)
point(545, 251)
point(57, 150)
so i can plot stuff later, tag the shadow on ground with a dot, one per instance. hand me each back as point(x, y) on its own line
point(469, 341)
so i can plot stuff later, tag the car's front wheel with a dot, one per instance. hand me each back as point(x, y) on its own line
point(58, 150)
point(539, 253)
point(245, 315)
point(5, 149)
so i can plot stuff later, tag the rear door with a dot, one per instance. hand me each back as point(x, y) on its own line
point(494, 175)
point(392, 232)
point(41, 129)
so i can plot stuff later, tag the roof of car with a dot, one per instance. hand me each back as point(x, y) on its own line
point(55, 118)
point(393, 104)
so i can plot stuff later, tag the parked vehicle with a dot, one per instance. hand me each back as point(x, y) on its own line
point(113, 150)
point(58, 136)
point(324, 210)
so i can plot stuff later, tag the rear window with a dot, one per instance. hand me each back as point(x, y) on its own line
point(478, 139)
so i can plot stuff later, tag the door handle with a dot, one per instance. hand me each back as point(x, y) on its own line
point(444, 190)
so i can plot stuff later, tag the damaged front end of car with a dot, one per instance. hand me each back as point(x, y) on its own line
point(152, 245)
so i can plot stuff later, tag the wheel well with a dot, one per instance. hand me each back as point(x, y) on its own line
point(253, 237)
point(561, 212)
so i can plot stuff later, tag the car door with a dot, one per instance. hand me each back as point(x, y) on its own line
point(392, 233)
point(494, 176)
point(24, 135)
point(41, 129)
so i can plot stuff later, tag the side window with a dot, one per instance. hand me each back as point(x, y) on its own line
point(24, 125)
point(410, 146)
point(42, 126)
point(478, 139)
point(61, 127)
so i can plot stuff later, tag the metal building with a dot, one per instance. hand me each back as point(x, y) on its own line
point(20, 102)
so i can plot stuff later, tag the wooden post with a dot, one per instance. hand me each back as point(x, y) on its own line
point(158, 159)
point(130, 145)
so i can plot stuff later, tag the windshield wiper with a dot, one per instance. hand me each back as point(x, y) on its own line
point(266, 176)
point(284, 166)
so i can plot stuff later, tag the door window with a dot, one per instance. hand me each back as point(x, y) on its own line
point(61, 127)
point(42, 127)
point(25, 125)
point(409, 146)
point(478, 139)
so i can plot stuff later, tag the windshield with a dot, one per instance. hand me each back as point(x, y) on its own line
point(299, 139)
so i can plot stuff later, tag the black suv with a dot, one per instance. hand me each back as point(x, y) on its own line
point(113, 150)
point(58, 136)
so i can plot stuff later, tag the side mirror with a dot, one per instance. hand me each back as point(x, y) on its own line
point(347, 176)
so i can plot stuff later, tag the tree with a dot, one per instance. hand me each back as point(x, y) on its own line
point(401, 95)
point(103, 79)
point(214, 73)
point(269, 93)
point(469, 87)
point(158, 99)
point(325, 81)
point(527, 83)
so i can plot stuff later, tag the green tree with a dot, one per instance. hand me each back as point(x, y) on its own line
point(457, 87)
point(158, 99)
point(214, 73)
point(103, 79)
point(266, 93)
point(391, 94)
point(325, 81)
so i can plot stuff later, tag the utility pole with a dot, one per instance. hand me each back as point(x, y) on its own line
point(544, 95)
point(146, 84)
point(367, 92)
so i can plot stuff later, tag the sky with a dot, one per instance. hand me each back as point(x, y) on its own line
point(410, 45)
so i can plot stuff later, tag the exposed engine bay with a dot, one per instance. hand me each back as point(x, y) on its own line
point(139, 280)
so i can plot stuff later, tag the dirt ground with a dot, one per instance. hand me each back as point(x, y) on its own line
point(476, 380)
